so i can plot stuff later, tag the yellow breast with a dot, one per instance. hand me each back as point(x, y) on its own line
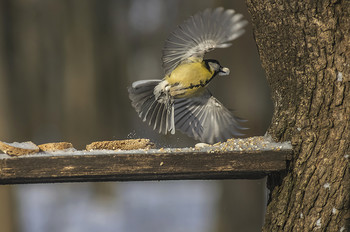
point(189, 77)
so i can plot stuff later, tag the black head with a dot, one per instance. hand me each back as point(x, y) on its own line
point(214, 66)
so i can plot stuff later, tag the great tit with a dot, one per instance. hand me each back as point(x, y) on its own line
point(181, 99)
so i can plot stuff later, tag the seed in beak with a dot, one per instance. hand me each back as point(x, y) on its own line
point(224, 71)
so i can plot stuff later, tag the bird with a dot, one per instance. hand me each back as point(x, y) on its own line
point(181, 100)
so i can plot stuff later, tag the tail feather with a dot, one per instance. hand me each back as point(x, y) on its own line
point(158, 114)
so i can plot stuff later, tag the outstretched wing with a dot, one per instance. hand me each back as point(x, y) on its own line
point(205, 119)
point(201, 33)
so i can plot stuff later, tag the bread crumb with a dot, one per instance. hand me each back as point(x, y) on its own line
point(18, 149)
point(127, 144)
point(201, 145)
point(55, 146)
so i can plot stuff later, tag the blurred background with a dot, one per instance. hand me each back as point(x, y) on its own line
point(64, 71)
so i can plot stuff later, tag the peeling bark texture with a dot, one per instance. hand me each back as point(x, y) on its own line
point(304, 47)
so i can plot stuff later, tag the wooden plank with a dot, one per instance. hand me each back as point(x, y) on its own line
point(140, 166)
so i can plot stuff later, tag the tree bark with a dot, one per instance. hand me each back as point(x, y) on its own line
point(304, 47)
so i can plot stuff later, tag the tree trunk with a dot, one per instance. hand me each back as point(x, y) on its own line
point(304, 47)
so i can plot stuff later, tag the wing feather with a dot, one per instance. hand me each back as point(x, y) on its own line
point(204, 118)
point(201, 33)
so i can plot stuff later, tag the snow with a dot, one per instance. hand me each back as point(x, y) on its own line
point(334, 211)
point(318, 223)
point(327, 186)
point(201, 145)
point(24, 145)
point(340, 76)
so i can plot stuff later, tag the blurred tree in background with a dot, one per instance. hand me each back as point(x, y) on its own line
point(65, 67)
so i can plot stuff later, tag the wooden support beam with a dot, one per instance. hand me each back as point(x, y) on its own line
point(141, 165)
